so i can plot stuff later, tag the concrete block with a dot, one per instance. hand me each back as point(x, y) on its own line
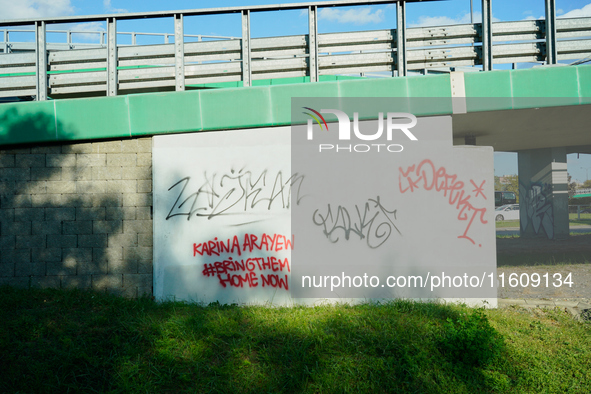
point(137, 227)
point(15, 201)
point(106, 173)
point(31, 187)
point(30, 269)
point(122, 186)
point(73, 255)
point(76, 281)
point(92, 241)
point(129, 146)
point(60, 213)
point(122, 159)
point(17, 256)
point(120, 213)
point(144, 144)
point(50, 200)
point(62, 241)
point(144, 160)
point(145, 267)
point(145, 291)
point(91, 268)
point(93, 187)
point(16, 228)
point(6, 270)
point(61, 187)
point(137, 199)
point(11, 187)
point(29, 160)
point(144, 213)
point(91, 159)
point(46, 227)
point(145, 240)
point(144, 186)
point(7, 160)
point(77, 227)
point(45, 282)
point(16, 151)
point(108, 200)
point(103, 282)
point(46, 255)
point(111, 253)
point(138, 173)
point(137, 280)
point(7, 242)
point(96, 213)
point(7, 215)
point(108, 227)
point(61, 160)
point(77, 173)
point(108, 146)
point(137, 253)
point(45, 174)
point(99, 200)
point(29, 214)
point(46, 149)
point(122, 240)
point(30, 241)
point(60, 269)
point(129, 292)
point(15, 174)
point(85, 147)
point(122, 267)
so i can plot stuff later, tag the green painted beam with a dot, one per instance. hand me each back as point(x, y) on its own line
point(270, 104)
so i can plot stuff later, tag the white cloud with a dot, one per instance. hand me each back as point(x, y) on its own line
point(578, 13)
point(356, 16)
point(28, 9)
point(109, 8)
point(425, 21)
point(91, 28)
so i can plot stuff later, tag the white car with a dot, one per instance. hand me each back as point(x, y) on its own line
point(507, 212)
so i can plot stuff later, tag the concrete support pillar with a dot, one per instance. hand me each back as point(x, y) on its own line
point(543, 193)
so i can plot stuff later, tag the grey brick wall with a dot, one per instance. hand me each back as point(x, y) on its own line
point(78, 215)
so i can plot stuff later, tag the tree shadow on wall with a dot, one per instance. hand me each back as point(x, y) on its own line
point(61, 219)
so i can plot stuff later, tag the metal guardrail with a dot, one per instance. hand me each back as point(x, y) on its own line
point(116, 69)
point(581, 191)
point(8, 46)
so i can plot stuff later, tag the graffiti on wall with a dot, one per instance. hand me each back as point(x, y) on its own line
point(371, 222)
point(232, 193)
point(537, 199)
point(426, 176)
point(250, 267)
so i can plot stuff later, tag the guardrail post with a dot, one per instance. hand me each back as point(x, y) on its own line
point(551, 50)
point(246, 71)
point(401, 37)
point(111, 57)
point(41, 52)
point(487, 42)
point(5, 41)
point(313, 42)
point(179, 52)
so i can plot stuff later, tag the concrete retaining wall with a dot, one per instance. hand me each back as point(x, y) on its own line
point(78, 215)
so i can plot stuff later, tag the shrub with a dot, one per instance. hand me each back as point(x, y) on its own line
point(471, 340)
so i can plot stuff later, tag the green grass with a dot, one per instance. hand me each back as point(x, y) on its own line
point(58, 341)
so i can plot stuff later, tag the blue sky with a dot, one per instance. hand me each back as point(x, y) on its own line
point(427, 13)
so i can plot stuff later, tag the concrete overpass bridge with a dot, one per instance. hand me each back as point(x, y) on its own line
point(113, 91)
